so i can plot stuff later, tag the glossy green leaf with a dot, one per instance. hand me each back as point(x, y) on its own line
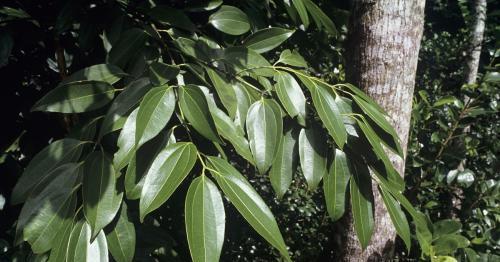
point(335, 185)
point(154, 113)
point(267, 39)
point(60, 243)
point(264, 127)
point(362, 202)
point(244, 101)
point(194, 106)
point(121, 240)
point(292, 58)
point(353, 90)
point(102, 73)
point(321, 20)
point(285, 163)
point(313, 152)
point(100, 199)
point(122, 106)
point(42, 214)
point(205, 6)
point(126, 142)
point(230, 20)
point(80, 247)
point(248, 202)
point(291, 96)
point(130, 41)
point(172, 16)
point(445, 100)
point(205, 220)
point(161, 73)
point(241, 59)
point(40, 167)
point(329, 114)
point(301, 10)
point(398, 218)
point(76, 97)
point(224, 90)
point(166, 173)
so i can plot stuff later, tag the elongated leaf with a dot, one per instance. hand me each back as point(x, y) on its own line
point(194, 106)
point(398, 218)
point(42, 214)
point(291, 96)
point(264, 127)
point(100, 199)
point(313, 153)
point(320, 18)
point(292, 58)
point(285, 163)
point(154, 113)
point(329, 113)
point(80, 247)
point(244, 101)
point(224, 90)
point(248, 202)
point(230, 20)
point(60, 243)
point(335, 185)
point(240, 60)
point(172, 16)
point(206, 6)
point(205, 220)
point(126, 142)
point(166, 173)
point(39, 169)
point(267, 39)
point(117, 113)
point(360, 93)
point(121, 241)
point(102, 72)
point(130, 41)
point(301, 10)
point(76, 97)
point(161, 73)
point(362, 202)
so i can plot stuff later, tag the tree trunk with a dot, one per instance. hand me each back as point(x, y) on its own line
point(477, 32)
point(382, 54)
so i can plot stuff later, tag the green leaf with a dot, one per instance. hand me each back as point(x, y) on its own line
point(445, 100)
point(465, 178)
point(42, 214)
point(335, 185)
point(398, 218)
point(329, 114)
point(360, 93)
point(291, 96)
point(206, 6)
point(264, 127)
point(60, 243)
point(267, 39)
point(121, 240)
point(362, 202)
point(6, 45)
point(117, 113)
point(292, 58)
point(320, 18)
point(194, 106)
point(248, 202)
point(101, 73)
point(285, 163)
point(126, 142)
point(172, 16)
point(244, 101)
point(313, 151)
point(301, 10)
point(224, 90)
point(205, 220)
point(448, 244)
point(445, 227)
point(230, 20)
point(240, 60)
point(100, 199)
point(76, 97)
point(129, 43)
point(80, 247)
point(161, 73)
point(166, 173)
point(154, 113)
point(40, 167)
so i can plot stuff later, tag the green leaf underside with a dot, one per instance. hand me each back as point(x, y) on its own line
point(301, 10)
point(267, 39)
point(291, 96)
point(312, 153)
point(205, 220)
point(121, 240)
point(76, 97)
point(80, 247)
point(285, 163)
point(335, 185)
point(230, 20)
point(126, 142)
point(264, 128)
point(248, 202)
point(102, 72)
point(362, 202)
point(292, 58)
point(224, 90)
point(166, 173)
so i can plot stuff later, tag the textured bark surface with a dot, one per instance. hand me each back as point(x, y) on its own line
point(382, 54)
point(477, 29)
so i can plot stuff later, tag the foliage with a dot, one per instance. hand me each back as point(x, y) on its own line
point(185, 104)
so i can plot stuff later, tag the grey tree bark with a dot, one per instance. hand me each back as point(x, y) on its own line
point(477, 34)
point(382, 53)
